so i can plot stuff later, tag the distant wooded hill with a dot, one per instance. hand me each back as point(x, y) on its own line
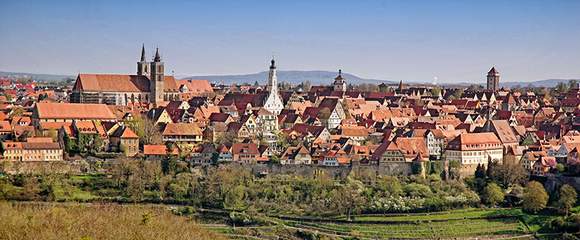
point(294, 77)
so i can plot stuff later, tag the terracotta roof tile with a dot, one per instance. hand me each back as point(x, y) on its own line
point(119, 83)
point(73, 111)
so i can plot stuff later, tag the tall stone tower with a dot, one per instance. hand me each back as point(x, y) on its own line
point(156, 80)
point(272, 78)
point(143, 65)
point(273, 103)
point(493, 79)
point(339, 82)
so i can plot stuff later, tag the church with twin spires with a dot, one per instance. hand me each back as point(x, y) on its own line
point(149, 87)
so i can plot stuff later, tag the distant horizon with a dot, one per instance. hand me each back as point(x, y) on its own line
point(453, 41)
point(182, 76)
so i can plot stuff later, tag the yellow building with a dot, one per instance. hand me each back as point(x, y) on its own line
point(32, 151)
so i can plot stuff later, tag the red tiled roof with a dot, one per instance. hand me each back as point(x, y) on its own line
point(158, 150)
point(183, 129)
point(119, 83)
point(73, 111)
point(196, 86)
point(248, 148)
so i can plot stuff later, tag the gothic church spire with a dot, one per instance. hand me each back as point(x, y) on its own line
point(143, 53)
point(157, 57)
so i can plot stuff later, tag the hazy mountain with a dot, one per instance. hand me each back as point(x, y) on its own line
point(539, 83)
point(294, 77)
point(35, 76)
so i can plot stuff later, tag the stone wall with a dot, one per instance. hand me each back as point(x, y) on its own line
point(553, 183)
point(70, 167)
point(341, 172)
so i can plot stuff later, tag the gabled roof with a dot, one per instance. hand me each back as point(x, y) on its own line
point(218, 117)
point(119, 83)
point(5, 126)
point(195, 86)
point(329, 103)
point(124, 132)
point(475, 141)
point(246, 148)
point(504, 131)
point(354, 131)
point(73, 111)
point(182, 129)
point(159, 150)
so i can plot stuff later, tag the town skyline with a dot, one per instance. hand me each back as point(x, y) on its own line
point(391, 41)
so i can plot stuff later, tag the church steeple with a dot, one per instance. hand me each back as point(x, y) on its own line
point(143, 65)
point(157, 81)
point(143, 53)
point(272, 78)
point(157, 57)
point(273, 102)
point(339, 82)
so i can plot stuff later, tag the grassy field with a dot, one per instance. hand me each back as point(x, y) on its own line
point(436, 216)
point(95, 221)
point(447, 229)
point(465, 223)
point(21, 220)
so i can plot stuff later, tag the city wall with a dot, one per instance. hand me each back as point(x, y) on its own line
point(340, 172)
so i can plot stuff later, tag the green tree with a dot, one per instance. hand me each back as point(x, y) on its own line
point(435, 91)
point(560, 167)
point(417, 190)
point(572, 84)
point(274, 159)
point(508, 174)
point(146, 129)
point(454, 169)
point(480, 171)
point(235, 198)
point(390, 186)
point(561, 87)
point(348, 198)
point(567, 199)
point(535, 197)
point(493, 194)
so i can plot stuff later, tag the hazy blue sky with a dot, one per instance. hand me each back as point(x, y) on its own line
point(410, 40)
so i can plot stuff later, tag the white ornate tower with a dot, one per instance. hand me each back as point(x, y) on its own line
point(273, 103)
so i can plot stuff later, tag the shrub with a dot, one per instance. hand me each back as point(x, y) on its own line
point(535, 197)
point(567, 198)
point(493, 194)
point(417, 190)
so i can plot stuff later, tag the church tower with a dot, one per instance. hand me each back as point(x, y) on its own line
point(273, 103)
point(339, 82)
point(493, 79)
point(272, 78)
point(143, 65)
point(156, 80)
